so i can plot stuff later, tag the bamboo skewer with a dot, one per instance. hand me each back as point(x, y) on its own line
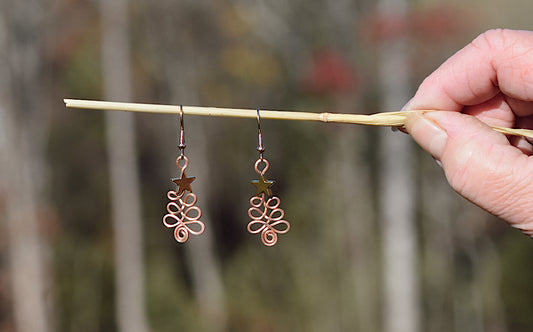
point(388, 119)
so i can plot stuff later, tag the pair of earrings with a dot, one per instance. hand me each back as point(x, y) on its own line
point(265, 212)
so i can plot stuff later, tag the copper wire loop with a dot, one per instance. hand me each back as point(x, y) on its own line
point(184, 213)
point(258, 164)
point(185, 162)
point(267, 219)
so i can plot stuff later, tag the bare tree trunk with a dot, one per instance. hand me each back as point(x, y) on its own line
point(205, 271)
point(439, 211)
point(124, 175)
point(348, 234)
point(401, 307)
point(18, 193)
point(180, 69)
point(351, 237)
point(22, 161)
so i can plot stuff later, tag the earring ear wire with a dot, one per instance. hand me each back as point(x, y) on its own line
point(183, 214)
point(260, 146)
point(181, 143)
point(266, 215)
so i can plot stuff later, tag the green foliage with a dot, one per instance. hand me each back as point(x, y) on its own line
point(516, 287)
point(172, 304)
point(84, 284)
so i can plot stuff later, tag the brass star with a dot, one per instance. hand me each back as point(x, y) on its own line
point(263, 186)
point(183, 183)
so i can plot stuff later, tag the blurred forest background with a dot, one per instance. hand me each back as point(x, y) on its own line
point(379, 242)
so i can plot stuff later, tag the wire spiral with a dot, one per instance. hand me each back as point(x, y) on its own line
point(267, 219)
point(183, 214)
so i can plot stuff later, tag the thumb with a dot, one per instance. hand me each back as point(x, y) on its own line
point(480, 164)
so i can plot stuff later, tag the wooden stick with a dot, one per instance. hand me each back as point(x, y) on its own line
point(389, 119)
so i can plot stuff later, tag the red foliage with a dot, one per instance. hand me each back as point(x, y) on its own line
point(385, 27)
point(437, 22)
point(329, 73)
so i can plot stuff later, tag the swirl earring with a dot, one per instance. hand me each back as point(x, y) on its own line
point(182, 210)
point(267, 216)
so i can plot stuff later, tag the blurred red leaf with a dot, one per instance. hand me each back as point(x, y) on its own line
point(381, 27)
point(436, 22)
point(329, 73)
point(439, 22)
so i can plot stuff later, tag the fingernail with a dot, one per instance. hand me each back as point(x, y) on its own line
point(407, 105)
point(428, 134)
point(438, 162)
point(398, 129)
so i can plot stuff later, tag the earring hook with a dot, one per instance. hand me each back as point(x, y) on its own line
point(181, 144)
point(260, 147)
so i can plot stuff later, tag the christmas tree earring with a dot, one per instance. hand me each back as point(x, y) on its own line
point(183, 214)
point(267, 216)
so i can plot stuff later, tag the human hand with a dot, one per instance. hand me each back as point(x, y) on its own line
point(489, 82)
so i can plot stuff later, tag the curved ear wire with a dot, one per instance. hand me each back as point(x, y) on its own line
point(260, 147)
point(265, 211)
point(182, 213)
point(181, 143)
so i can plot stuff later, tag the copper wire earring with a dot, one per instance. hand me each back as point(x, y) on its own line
point(267, 216)
point(183, 214)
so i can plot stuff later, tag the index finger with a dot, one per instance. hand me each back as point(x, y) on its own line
point(498, 61)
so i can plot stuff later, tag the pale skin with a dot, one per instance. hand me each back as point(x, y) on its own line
point(490, 81)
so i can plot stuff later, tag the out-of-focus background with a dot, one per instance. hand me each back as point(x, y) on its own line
point(379, 242)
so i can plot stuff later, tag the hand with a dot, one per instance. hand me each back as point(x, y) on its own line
point(490, 81)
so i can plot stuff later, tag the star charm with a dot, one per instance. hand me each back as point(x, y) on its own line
point(263, 186)
point(183, 183)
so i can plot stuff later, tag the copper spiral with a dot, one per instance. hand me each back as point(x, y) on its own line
point(184, 214)
point(267, 216)
point(267, 219)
